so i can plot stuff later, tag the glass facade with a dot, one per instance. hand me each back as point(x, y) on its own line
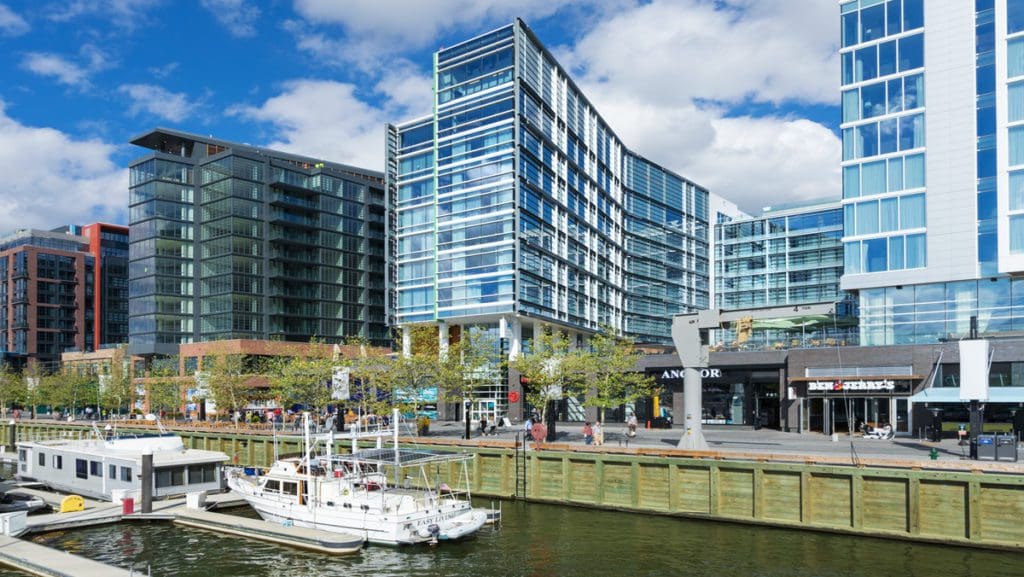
point(516, 197)
point(784, 257)
point(930, 313)
point(1015, 114)
point(228, 241)
point(883, 132)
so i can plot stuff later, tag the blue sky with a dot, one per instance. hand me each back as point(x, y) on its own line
point(738, 95)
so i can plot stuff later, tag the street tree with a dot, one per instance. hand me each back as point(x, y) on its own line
point(116, 386)
point(550, 372)
point(469, 365)
point(225, 377)
point(12, 388)
point(373, 380)
point(611, 377)
point(305, 379)
point(163, 386)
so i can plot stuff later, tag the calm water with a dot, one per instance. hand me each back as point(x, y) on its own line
point(546, 540)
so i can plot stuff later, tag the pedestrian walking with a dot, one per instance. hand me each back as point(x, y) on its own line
point(598, 433)
point(631, 425)
point(588, 433)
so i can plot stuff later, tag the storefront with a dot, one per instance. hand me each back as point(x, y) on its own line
point(731, 396)
point(844, 404)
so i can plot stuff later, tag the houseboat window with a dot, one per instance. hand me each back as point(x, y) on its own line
point(289, 488)
point(163, 478)
point(81, 468)
point(95, 468)
point(42, 459)
point(58, 462)
point(126, 474)
point(272, 486)
point(202, 474)
point(170, 477)
point(112, 472)
point(22, 455)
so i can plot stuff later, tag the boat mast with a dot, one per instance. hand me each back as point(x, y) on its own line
point(305, 427)
point(394, 433)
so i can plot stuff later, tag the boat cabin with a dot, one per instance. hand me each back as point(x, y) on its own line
point(97, 467)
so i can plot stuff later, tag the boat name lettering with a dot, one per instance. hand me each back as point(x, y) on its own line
point(433, 520)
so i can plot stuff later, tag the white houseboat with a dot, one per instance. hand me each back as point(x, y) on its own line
point(97, 466)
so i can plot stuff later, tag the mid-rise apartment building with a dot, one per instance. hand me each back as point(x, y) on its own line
point(108, 243)
point(46, 296)
point(518, 206)
point(231, 241)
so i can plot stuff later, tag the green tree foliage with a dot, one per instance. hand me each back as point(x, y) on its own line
point(225, 377)
point(116, 387)
point(163, 386)
point(551, 371)
point(470, 364)
point(305, 379)
point(610, 369)
point(372, 382)
point(12, 388)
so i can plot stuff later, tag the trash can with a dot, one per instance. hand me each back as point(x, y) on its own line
point(1006, 447)
point(986, 447)
point(128, 506)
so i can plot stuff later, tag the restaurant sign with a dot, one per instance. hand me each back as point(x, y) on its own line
point(858, 386)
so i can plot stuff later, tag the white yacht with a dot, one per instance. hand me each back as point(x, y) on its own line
point(95, 467)
point(427, 498)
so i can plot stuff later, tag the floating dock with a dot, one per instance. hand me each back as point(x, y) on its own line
point(36, 559)
point(301, 537)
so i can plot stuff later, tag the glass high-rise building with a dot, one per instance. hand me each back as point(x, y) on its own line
point(517, 205)
point(235, 241)
point(933, 166)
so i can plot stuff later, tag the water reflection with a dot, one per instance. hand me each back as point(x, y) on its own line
point(544, 540)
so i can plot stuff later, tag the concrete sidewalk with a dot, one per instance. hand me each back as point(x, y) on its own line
point(737, 439)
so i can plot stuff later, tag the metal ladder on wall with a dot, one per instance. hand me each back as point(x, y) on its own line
point(521, 465)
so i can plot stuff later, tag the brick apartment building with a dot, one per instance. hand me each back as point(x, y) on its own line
point(54, 293)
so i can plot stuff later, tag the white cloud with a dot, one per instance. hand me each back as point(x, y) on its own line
point(163, 71)
point(666, 75)
point(11, 24)
point(237, 16)
point(71, 72)
point(157, 101)
point(125, 15)
point(323, 119)
point(62, 70)
point(373, 29)
point(78, 181)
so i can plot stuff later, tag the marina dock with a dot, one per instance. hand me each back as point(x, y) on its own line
point(301, 537)
point(40, 560)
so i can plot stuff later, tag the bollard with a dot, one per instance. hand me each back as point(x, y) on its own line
point(147, 481)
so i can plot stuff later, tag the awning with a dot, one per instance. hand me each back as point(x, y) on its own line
point(952, 395)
